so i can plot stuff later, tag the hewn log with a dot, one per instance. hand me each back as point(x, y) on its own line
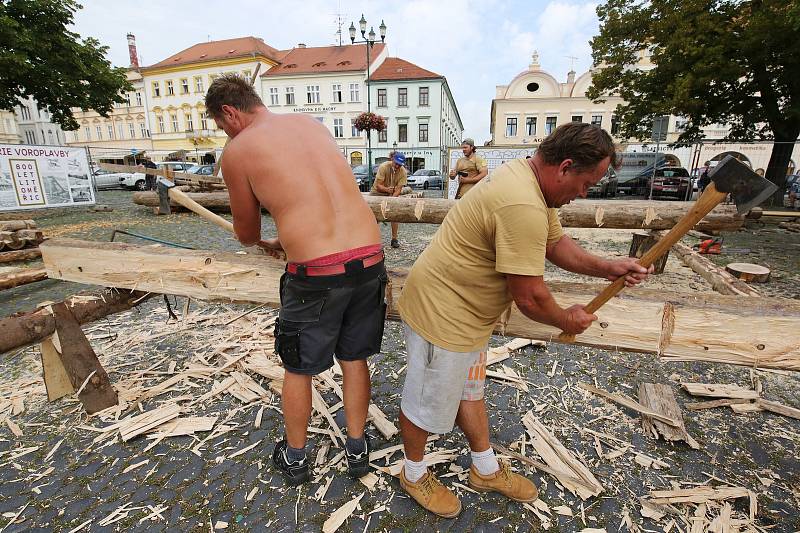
point(641, 242)
point(578, 214)
point(15, 278)
point(20, 255)
point(749, 272)
point(720, 280)
point(14, 225)
point(747, 331)
point(22, 329)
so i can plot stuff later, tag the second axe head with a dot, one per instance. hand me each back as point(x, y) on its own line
point(163, 185)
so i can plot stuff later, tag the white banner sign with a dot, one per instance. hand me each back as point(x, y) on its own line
point(33, 177)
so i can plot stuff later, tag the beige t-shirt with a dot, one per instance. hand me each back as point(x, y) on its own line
point(389, 177)
point(472, 165)
point(457, 289)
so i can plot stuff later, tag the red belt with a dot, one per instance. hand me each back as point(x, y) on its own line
point(332, 270)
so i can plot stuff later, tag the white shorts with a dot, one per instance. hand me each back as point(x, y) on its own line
point(437, 380)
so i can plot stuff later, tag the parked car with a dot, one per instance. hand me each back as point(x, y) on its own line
point(201, 170)
point(177, 166)
point(362, 179)
point(425, 179)
point(105, 179)
point(607, 186)
point(673, 182)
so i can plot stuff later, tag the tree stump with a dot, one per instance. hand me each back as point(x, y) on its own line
point(749, 272)
point(643, 241)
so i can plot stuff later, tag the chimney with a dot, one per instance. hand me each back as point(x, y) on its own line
point(132, 51)
point(301, 45)
point(571, 76)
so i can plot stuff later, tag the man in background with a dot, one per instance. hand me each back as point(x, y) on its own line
point(389, 181)
point(470, 169)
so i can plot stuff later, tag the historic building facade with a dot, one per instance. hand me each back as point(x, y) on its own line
point(34, 125)
point(8, 128)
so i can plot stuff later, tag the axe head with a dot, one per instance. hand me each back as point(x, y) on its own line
point(163, 185)
point(747, 188)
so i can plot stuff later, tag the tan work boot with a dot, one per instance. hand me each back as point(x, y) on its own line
point(432, 495)
point(504, 481)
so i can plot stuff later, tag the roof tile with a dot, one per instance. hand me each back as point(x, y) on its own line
point(394, 68)
point(224, 49)
point(309, 60)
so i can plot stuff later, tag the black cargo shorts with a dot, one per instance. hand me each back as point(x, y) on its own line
point(320, 316)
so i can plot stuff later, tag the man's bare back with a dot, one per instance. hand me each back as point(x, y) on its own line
point(290, 164)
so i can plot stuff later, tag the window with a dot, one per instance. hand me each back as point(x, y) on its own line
point(423, 96)
point(110, 128)
point(156, 86)
point(402, 133)
point(402, 97)
point(312, 91)
point(50, 137)
point(198, 84)
point(99, 133)
point(577, 118)
point(550, 125)
point(174, 119)
point(382, 98)
point(338, 128)
point(31, 138)
point(273, 96)
point(120, 130)
point(86, 131)
point(614, 125)
point(247, 75)
point(423, 133)
point(337, 93)
point(143, 130)
point(290, 96)
point(353, 130)
point(138, 98)
point(382, 136)
point(189, 122)
point(25, 112)
point(131, 130)
point(203, 120)
point(597, 120)
point(170, 88)
point(530, 126)
point(511, 127)
point(128, 99)
point(160, 124)
point(355, 92)
point(184, 86)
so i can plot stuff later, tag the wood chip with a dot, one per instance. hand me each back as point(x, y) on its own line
point(629, 403)
point(341, 515)
point(720, 390)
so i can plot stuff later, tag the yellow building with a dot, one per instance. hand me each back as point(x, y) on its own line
point(8, 128)
point(175, 90)
point(123, 131)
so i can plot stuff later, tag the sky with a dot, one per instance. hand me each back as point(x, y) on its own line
point(476, 45)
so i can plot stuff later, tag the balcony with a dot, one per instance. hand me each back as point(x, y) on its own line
point(200, 136)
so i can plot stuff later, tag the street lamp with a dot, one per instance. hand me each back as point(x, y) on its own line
point(369, 40)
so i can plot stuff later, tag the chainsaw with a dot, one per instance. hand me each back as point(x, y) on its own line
point(709, 246)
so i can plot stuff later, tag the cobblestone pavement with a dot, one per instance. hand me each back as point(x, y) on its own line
point(82, 481)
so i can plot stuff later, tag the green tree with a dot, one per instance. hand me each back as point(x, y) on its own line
point(716, 61)
point(40, 57)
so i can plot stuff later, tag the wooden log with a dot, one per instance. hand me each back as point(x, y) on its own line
point(85, 373)
point(14, 225)
point(27, 328)
point(659, 398)
point(721, 281)
point(749, 272)
point(790, 226)
point(20, 255)
point(641, 242)
point(15, 278)
point(634, 214)
point(9, 240)
point(748, 331)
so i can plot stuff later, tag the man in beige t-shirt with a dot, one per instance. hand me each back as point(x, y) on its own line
point(469, 169)
point(490, 251)
point(389, 181)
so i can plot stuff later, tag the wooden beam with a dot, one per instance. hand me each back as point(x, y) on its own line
point(721, 281)
point(181, 178)
point(27, 328)
point(635, 214)
point(23, 276)
point(747, 331)
point(20, 255)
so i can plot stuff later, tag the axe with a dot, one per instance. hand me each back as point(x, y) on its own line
point(747, 189)
point(167, 191)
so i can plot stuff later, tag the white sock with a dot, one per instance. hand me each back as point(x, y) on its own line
point(485, 462)
point(414, 470)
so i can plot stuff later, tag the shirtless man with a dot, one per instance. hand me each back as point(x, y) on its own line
point(332, 294)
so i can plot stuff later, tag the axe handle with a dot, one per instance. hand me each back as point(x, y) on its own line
point(710, 199)
point(180, 197)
